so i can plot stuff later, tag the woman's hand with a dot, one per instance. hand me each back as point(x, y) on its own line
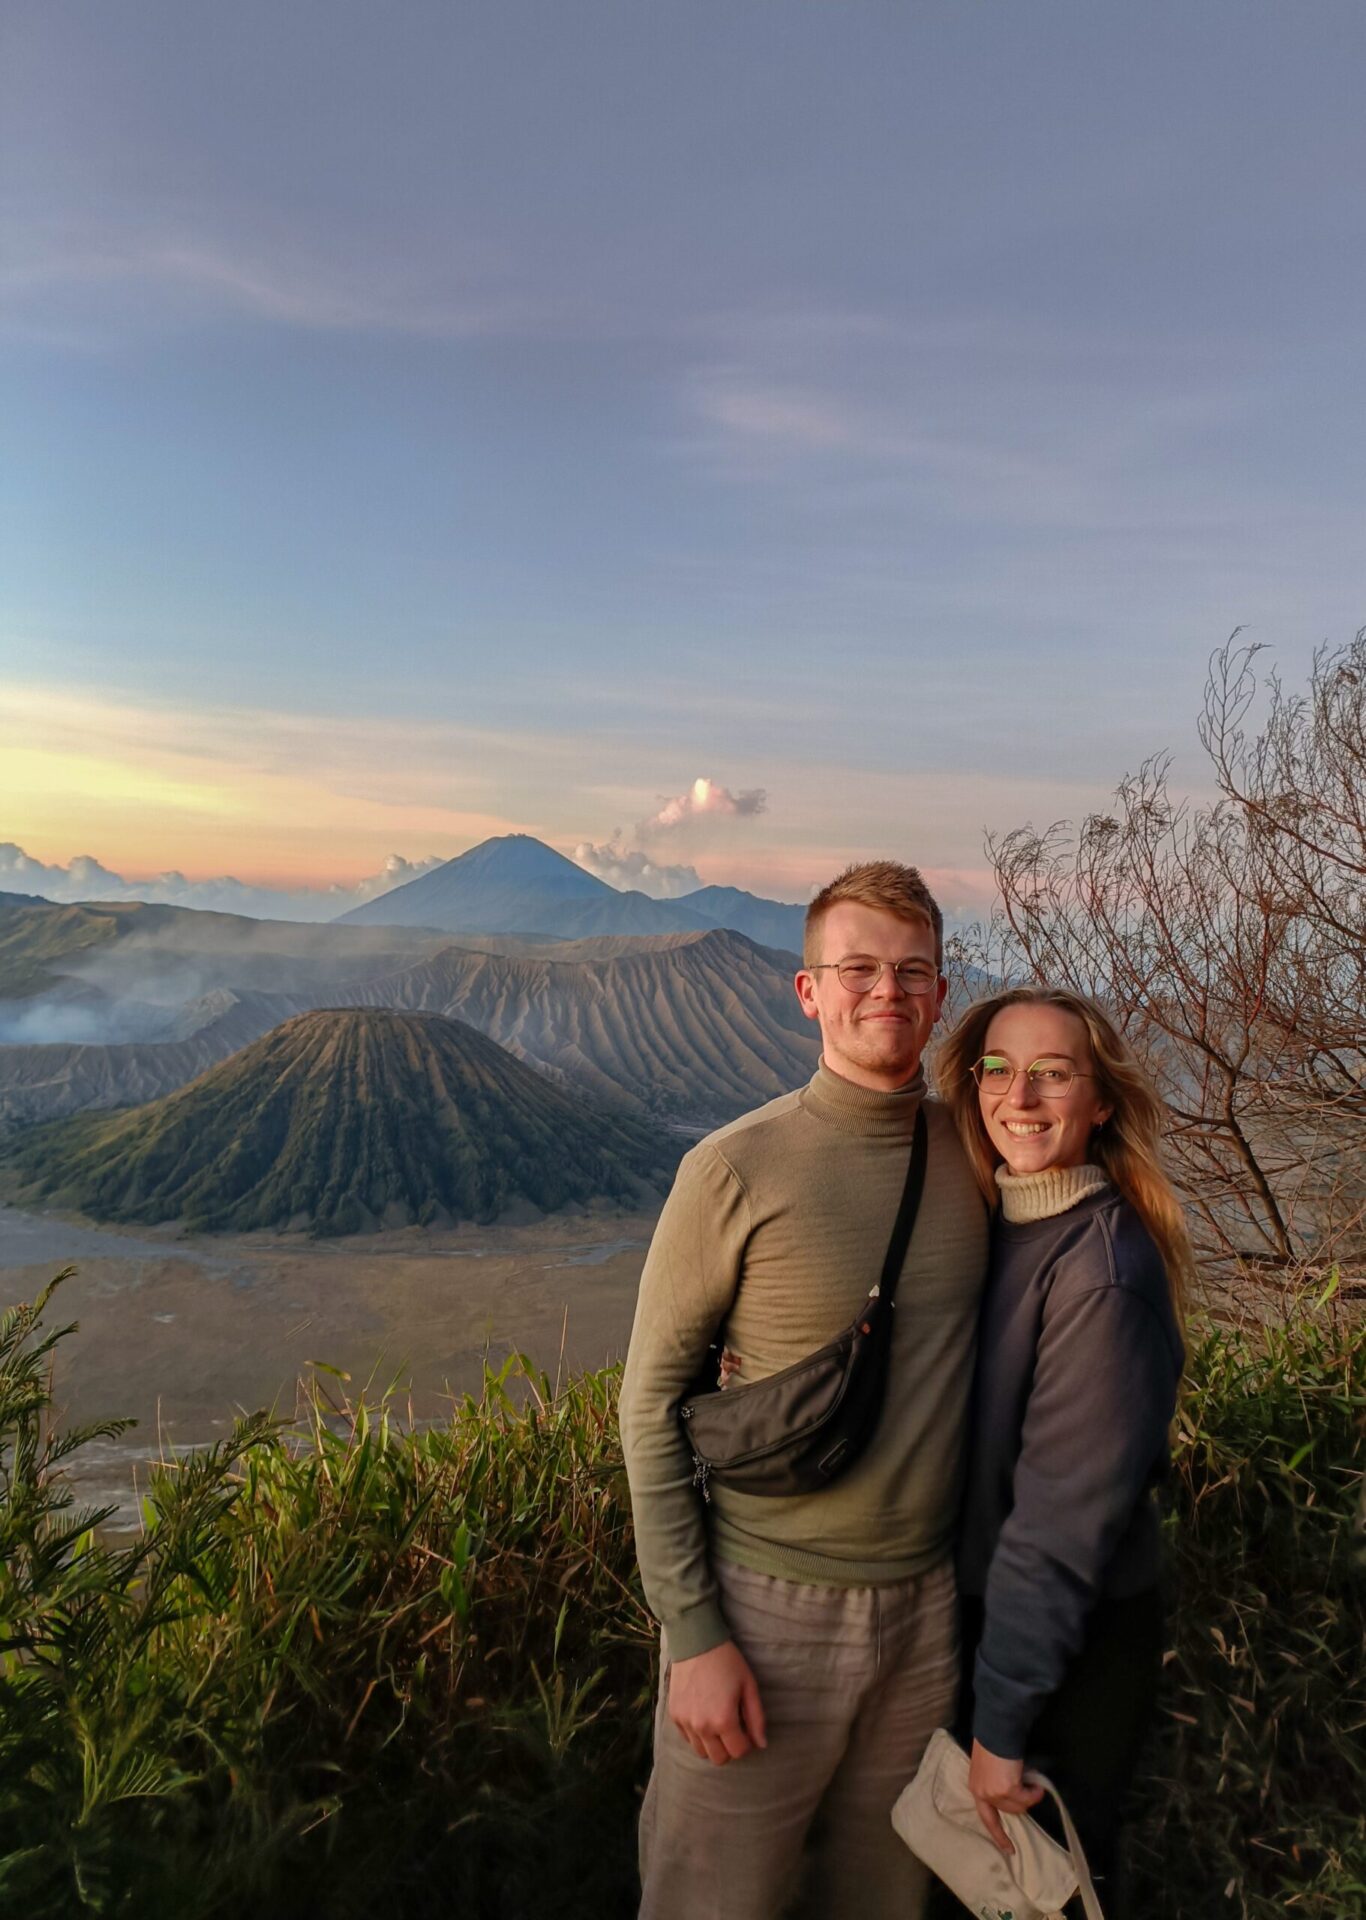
point(998, 1787)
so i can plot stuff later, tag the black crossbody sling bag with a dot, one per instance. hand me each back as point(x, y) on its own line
point(797, 1430)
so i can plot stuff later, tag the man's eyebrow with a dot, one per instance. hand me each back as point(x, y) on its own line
point(906, 960)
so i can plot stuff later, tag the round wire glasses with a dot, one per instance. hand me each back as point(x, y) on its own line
point(1049, 1078)
point(860, 973)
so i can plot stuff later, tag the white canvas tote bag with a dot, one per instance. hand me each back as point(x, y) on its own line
point(937, 1818)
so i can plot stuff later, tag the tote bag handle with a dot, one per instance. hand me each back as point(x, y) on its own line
point(1085, 1885)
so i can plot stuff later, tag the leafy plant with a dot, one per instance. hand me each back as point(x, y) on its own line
point(1258, 1800)
point(348, 1665)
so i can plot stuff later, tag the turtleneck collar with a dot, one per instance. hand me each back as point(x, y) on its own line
point(1026, 1197)
point(864, 1110)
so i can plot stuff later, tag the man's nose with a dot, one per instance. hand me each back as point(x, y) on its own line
point(888, 987)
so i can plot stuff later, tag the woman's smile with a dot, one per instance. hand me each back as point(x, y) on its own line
point(1045, 1102)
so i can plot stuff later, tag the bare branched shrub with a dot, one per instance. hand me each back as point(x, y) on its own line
point(1300, 786)
point(1229, 940)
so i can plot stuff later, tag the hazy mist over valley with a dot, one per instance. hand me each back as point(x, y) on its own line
point(110, 1005)
point(437, 1126)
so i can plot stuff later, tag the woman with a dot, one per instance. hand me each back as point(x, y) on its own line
point(1079, 1362)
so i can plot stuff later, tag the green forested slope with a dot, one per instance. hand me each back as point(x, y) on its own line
point(35, 935)
point(343, 1121)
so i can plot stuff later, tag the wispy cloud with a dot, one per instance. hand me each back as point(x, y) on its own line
point(78, 278)
point(750, 428)
point(968, 417)
point(287, 797)
point(779, 416)
point(314, 805)
point(288, 800)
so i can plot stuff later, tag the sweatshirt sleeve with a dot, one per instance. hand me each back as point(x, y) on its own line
point(686, 1289)
point(1103, 1394)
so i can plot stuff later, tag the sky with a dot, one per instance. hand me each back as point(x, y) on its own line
point(428, 421)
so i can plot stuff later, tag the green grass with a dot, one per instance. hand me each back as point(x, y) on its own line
point(1257, 1801)
point(350, 1668)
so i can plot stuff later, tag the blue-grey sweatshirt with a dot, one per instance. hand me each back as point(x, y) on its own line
point(1079, 1359)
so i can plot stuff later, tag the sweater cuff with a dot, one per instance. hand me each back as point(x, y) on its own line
point(697, 1631)
point(1003, 1712)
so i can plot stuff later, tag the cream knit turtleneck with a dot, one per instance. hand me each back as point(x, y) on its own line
point(1038, 1196)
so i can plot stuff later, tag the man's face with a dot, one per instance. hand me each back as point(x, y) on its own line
point(876, 1038)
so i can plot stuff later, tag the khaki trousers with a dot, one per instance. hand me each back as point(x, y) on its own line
point(853, 1681)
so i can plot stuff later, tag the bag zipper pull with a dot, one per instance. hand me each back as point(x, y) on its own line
point(700, 1476)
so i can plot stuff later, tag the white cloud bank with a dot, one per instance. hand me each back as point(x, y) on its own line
point(85, 878)
point(628, 869)
point(637, 868)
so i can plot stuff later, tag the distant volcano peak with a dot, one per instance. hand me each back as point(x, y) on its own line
point(524, 856)
point(516, 884)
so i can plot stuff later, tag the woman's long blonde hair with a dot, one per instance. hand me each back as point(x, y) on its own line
point(1125, 1146)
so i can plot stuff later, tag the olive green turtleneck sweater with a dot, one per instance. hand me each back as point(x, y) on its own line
point(776, 1228)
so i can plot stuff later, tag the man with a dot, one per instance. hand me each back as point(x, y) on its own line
point(809, 1641)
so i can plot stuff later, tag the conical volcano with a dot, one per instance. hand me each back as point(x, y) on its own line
point(514, 884)
point(345, 1121)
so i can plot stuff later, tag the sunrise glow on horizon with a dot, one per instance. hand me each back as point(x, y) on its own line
point(620, 438)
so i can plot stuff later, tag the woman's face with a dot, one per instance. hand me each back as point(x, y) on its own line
point(1031, 1125)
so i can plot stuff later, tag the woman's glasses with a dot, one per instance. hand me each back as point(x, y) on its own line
point(1050, 1078)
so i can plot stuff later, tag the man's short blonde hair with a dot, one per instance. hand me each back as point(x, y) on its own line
point(876, 883)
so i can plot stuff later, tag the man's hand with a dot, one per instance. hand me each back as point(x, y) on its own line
point(998, 1787)
point(714, 1703)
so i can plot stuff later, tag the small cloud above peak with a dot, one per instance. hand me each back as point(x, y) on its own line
point(704, 796)
point(682, 814)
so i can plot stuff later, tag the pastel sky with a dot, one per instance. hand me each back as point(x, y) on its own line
point(433, 420)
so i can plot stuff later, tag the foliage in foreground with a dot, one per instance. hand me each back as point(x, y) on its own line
point(1256, 1802)
point(339, 1667)
point(347, 1666)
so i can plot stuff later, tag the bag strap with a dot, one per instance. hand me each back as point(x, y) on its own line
point(1085, 1885)
point(906, 1212)
point(901, 1229)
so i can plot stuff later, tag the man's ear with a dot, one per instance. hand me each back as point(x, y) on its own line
point(939, 994)
point(805, 983)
